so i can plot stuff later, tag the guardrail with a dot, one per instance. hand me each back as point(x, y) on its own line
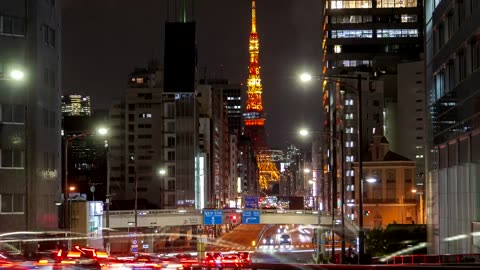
point(200, 212)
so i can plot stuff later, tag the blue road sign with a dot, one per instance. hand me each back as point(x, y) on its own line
point(251, 217)
point(251, 202)
point(212, 217)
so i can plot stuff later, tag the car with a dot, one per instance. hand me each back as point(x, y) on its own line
point(268, 240)
point(187, 260)
point(245, 257)
point(211, 261)
point(285, 239)
point(282, 229)
point(231, 260)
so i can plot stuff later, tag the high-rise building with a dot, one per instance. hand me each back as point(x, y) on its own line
point(453, 152)
point(372, 35)
point(232, 97)
point(410, 127)
point(30, 72)
point(76, 105)
point(367, 38)
point(153, 131)
point(136, 149)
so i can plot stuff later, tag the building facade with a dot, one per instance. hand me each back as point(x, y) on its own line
point(411, 127)
point(30, 150)
point(372, 35)
point(390, 199)
point(453, 152)
point(76, 105)
point(370, 38)
point(136, 149)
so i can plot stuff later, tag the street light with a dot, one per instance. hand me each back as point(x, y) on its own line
point(306, 77)
point(337, 137)
point(16, 74)
point(67, 140)
point(421, 206)
point(135, 176)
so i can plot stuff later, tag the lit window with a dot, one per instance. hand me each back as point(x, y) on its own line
point(407, 18)
point(396, 3)
point(349, 116)
point(139, 80)
point(351, 33)
point(349, 102)
point(349, 130)
point(419, 156)
point(397, 33)
point(337, 48)
point(339, 4)
point(349, 158)
point(349, 144)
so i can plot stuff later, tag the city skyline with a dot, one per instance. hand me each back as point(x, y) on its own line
point(281, 61)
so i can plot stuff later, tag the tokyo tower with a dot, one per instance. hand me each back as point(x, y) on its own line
point(254, 116)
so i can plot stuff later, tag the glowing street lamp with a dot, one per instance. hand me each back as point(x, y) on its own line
point(371, 179)
point(305, 77)
point(303, 132)
point(16, 75)
point(162, 172)
point(102, 131)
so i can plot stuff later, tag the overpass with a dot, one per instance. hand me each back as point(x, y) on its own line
point(179, 217)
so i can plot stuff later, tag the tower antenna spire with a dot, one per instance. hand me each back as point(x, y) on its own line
point(254, 17)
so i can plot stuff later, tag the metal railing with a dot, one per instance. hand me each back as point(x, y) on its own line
point(199, 212)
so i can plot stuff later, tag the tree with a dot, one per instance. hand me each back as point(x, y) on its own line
point(376, 242)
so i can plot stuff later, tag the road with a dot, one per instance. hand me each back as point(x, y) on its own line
point(240, 238)
point(301, 238)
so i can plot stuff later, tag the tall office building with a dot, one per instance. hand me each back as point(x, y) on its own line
point(136, 149)
point(453, 153)
point(30, 35)
point(410, 127)
point(370, 38)
point(153, 131)
point(372, 35)
point(76, 105)
point(232, 98)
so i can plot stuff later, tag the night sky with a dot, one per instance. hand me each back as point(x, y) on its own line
point(104, 40)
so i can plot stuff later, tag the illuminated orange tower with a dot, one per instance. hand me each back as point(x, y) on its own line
point(254, 116)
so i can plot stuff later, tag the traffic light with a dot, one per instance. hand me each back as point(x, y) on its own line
point(234, 219)
point(367, 213)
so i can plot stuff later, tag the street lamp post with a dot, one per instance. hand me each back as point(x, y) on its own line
point(161, 172)
point(67, 141)
point(421, 205)
point(338, 137)
point(305, 77)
